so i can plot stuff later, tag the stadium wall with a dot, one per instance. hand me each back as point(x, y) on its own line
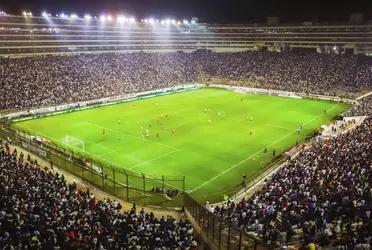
point(54, 110)
point(281, 93)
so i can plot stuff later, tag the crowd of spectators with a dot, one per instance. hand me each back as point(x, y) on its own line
point(307, 72)
point(41, 81)
point(40, 210)
point(324, 196)
point(364, 107)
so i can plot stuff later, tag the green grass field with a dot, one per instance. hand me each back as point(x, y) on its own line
point(211, 136)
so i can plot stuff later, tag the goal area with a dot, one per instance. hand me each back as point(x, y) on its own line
point(74, 142)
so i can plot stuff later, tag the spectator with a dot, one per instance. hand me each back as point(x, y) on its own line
point(322, 195)
point(40, 210)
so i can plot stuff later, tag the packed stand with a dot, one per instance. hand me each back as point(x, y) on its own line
point(322, 197)
point(363, 108)
point(307, 72)
point(52, 80)
point(42, 81)
point(40, 210)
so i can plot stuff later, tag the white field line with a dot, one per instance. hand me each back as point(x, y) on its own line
point(153, 159)
point(128, 134)
point(253, 155)
point(99, 157)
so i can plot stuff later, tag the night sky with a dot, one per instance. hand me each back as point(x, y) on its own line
point(228, 11)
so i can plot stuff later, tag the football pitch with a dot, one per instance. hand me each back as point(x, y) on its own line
point(213, 137)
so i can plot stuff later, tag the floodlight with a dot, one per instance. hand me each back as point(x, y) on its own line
point(87, 17)
point(62, 15)
point(152, 20)
point(173, 21)
point(132, 20)
point(121, 19)
point(26, 14)
point(44, 14)
point(109, 18)
point(168, 21)
point(102, 18)
point(73, 16)
point(185, 21)
point(193, 21)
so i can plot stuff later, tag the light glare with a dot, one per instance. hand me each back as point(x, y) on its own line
point(87, 17)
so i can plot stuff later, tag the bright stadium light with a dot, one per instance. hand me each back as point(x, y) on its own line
point(87, 17)
point(132, 20)
point(193, 22)
point(109, 18)
point(178, 22)
point(152, 20)
point(174, 21)
point(185, 21)
point(44, 14)
point(102, 18)
point(120, 19)
point(162, 22)
point(168, 21)
point(73, 16)
point(27, 14)
point(62, 15)
point(145, 20)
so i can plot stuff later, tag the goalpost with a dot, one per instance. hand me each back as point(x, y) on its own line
point(73, 142)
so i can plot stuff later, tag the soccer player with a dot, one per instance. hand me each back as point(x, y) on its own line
point(119, 122)
point(209, 121)
point(103, 131)
point(173, 131)
point(158, 134)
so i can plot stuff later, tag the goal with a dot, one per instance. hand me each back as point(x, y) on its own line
point(73, 142)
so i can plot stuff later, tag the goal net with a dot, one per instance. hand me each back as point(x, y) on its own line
point(73, 142)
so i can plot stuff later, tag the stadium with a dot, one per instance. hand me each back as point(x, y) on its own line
point(119, 132)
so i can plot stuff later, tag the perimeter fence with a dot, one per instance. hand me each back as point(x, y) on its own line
point(140, 188)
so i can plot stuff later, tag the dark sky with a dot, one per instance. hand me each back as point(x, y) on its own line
point(207, 10)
